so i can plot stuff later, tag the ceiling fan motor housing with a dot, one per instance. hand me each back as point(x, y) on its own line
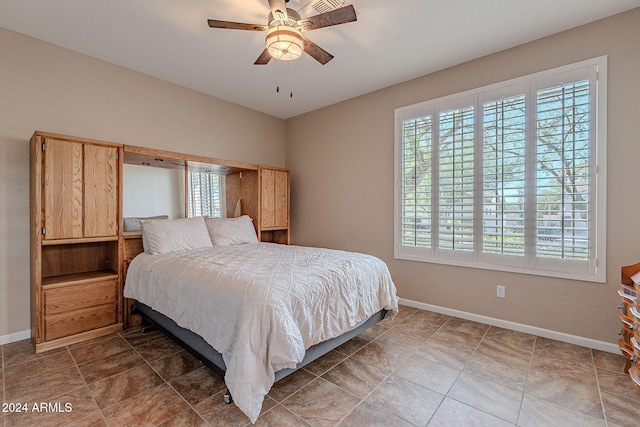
point(291, 20)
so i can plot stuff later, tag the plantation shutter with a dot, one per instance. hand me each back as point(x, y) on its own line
point(204, 198)
point(456, 180)
point(503, 176)
point(562, 173)
point(416, 182)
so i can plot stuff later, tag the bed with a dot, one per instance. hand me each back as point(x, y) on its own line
point(256, 310)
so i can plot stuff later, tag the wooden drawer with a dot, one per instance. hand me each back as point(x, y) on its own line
point(626, 348)
point(74, 322)
point(628, 324)
point(628, 292)
point(635, 319)
point(75, 297)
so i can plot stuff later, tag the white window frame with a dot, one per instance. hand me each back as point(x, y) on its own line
point(594, 269)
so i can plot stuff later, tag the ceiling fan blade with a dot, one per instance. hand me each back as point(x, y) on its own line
point(279, 9)
point(264, 58)
point(214, 23)
point(316, 52)
point(327, 19)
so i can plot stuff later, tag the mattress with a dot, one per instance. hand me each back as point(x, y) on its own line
point(262, 305)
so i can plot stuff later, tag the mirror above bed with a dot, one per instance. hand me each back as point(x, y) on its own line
point(158, 182)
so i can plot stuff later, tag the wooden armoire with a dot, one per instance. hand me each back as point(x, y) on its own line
point(76, 199)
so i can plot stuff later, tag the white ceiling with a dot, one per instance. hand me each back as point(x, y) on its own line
point(392, 41)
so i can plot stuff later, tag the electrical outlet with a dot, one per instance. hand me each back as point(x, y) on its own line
point(500, 292)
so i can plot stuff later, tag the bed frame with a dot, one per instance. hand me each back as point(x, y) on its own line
point(195, 344)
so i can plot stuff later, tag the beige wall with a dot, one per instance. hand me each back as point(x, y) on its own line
point(44, 87)
point(342, 174)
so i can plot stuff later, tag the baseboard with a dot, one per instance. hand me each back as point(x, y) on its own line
point(533, 330)
point(16, 336)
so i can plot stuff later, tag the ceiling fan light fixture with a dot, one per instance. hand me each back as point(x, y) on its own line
point(284, 43)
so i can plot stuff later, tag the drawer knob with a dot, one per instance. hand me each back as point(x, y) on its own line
point(621, 305)
point(621, 332)
point(633, 358)
point(633, 327)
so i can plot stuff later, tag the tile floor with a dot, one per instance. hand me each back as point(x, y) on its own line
point(420, 369)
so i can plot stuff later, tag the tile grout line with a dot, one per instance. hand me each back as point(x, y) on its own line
point(347, 356)
point(564, 405)
point(489, 380)
point(595, 371)
point(87, 386)
point(526, 378)
point(390, 374)
point(146, 362)
point(178, 393)
point(461, 370)
point(77, 365)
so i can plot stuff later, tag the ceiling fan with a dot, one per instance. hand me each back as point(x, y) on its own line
point(284, 39)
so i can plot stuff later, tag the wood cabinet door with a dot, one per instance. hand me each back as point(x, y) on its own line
point(100, 191)
point(274, 198)
point(281, 199)
point(267, 202)
point(62, 189)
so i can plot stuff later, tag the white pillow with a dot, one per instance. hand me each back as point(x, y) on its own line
point(231, 231)
point(173, 235)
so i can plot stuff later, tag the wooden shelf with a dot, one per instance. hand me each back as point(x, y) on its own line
point(82, 240)
point(78, 278)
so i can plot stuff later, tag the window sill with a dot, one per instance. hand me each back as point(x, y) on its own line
point(599, 277)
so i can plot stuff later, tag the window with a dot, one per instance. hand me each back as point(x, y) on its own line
point(509, 176)
point(204, 194)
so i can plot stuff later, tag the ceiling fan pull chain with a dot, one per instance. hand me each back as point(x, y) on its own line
point(277, 77)
point(291, 80)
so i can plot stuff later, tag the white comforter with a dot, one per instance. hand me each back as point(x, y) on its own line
point(261, 305)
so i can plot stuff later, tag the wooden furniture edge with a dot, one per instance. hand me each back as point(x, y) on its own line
point(75, 139)
point(627, 271)
point(73, 339)
point(157, 158)
point(35, 189)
